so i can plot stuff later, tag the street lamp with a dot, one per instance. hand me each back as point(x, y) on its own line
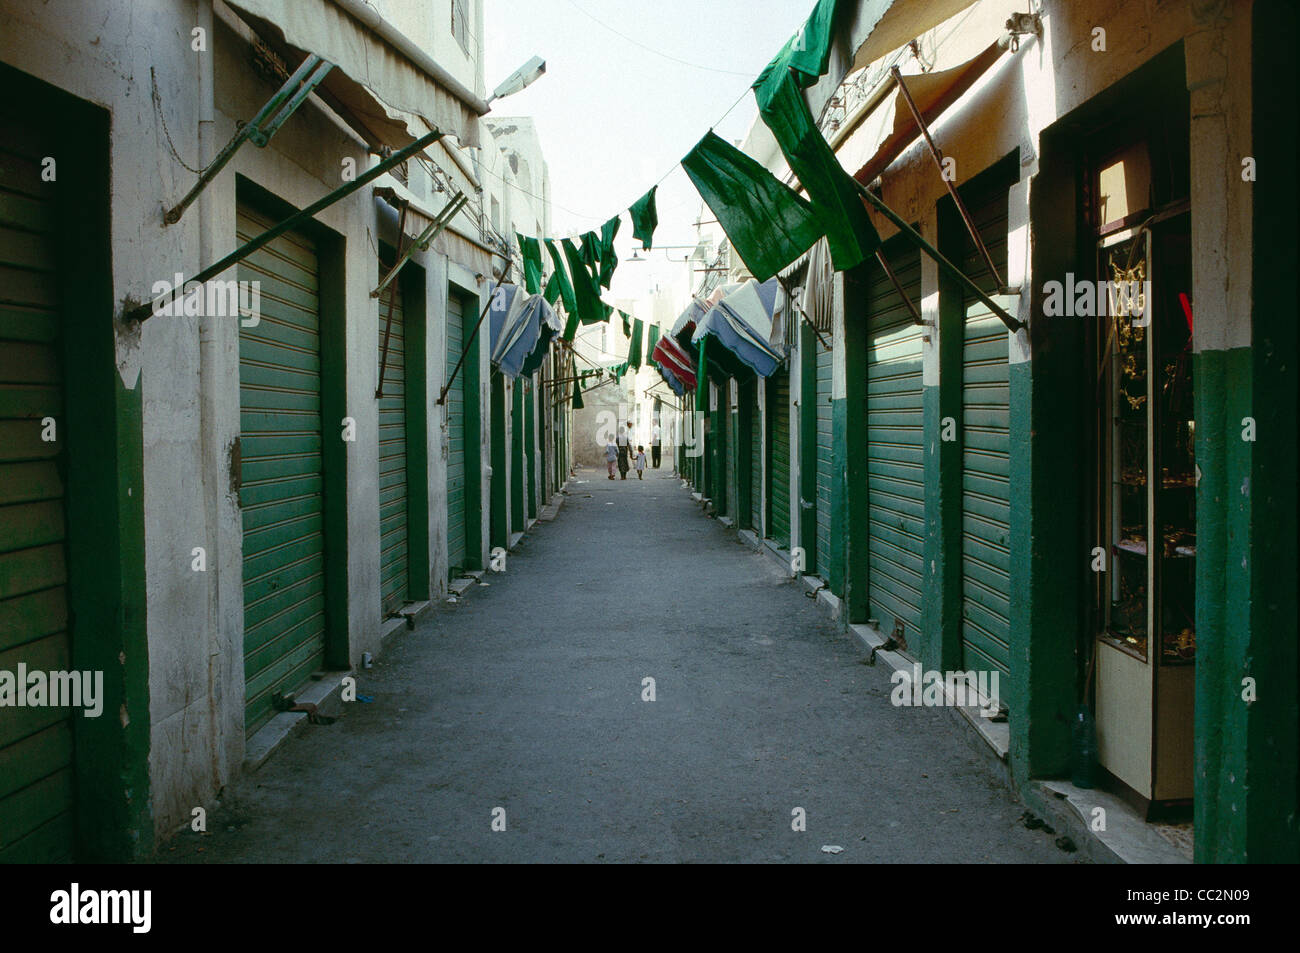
point(520, 78)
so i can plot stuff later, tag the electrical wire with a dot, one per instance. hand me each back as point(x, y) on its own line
point(650, 49)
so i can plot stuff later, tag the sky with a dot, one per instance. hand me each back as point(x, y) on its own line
point(616, 112)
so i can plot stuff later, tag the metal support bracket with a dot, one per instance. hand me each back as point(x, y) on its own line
point(952, 189)
point(442, 397)
point(261, 127)
point(145, 310)
point(1013, 324)
point(443, 219)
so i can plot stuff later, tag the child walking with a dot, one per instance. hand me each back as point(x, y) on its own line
point(640, 462)
point(611, 454)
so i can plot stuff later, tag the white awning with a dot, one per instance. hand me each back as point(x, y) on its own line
point(877, 27)
point(385, 87)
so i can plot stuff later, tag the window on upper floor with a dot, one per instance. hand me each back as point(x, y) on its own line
point(460, 23)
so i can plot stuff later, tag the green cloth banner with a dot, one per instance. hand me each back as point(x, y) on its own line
point(552, 292)
point(561, 274)
point(850, 235)
point(586, 291)
point(808, 51)
point(577, 397)
point(645, 218)
point(627, 323)
point(768, 224)
point(608, 260)
point(651, 341)
point(779, 90)
point(590, 247)
point(634, 349)
point(532, 252)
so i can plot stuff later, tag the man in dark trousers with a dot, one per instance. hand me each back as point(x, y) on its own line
point(624, 446)
point(655, 444)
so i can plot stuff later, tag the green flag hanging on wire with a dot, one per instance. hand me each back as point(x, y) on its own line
point(627, 323)
point(532, 252)
point(562, 277)
point(577, 396)
point(850, 235)
point(608, 260)
point(768, 224)
point(645, 218)
point(807, 52)
point(651, 340)
point(586, 291)
point(590, 245)
point(634, 348)
point(779, 90)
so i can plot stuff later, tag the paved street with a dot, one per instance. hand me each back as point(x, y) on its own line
point(528, 696)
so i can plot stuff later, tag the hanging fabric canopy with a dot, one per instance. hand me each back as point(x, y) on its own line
point(577, 396)
point(767, 224)
point(507, 299)
point(526, 333)
point(674, 365)
point(742, 323)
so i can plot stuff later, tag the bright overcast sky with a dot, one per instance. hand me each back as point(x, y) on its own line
point(613, 116)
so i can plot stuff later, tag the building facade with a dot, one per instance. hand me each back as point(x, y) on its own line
point(234, 505)
point(1056, 471)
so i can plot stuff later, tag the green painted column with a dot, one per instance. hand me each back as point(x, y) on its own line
point(850, 424)
point(1247, 794)
point(940, 642)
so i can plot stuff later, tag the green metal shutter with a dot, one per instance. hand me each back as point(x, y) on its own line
point(756, 462)
point(394, 489)
point(282, 472)
point(728, 450)
point(779, 457)
point(986, 496)
point(36, 743)
point(825, 459)
point(517, 458)
point(895, 459)
point(456, 531)
point(530, 443)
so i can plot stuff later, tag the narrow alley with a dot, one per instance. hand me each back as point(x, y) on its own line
point(528, 696)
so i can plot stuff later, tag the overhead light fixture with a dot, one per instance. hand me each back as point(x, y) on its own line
point(520, 78)
point(636, 255)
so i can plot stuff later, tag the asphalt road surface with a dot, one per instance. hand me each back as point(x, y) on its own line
point(524, 706)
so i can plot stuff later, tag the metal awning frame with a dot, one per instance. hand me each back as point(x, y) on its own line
point(1013, 324)
point(144, 311)
point(261, 127)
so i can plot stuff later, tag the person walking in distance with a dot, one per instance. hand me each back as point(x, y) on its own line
point(625, 450)
point(640, 463)
point(611, 456)
point(655, 444)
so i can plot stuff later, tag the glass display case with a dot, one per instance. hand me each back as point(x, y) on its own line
point(1146, 636)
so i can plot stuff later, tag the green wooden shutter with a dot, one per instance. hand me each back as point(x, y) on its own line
point(456, 474)
point(778, 504)
point(895, 461)
point(282, 472)
point(36, 744)
point(986, 496)
point(394, 489)
point(825, 459)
